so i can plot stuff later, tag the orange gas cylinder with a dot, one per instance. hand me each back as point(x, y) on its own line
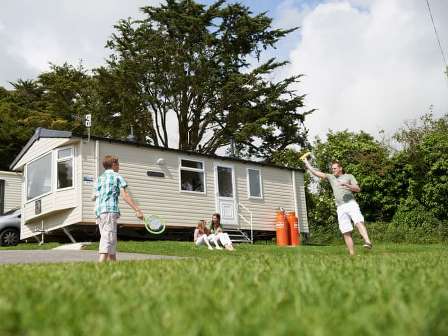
point(294, 232)
point(281, 228)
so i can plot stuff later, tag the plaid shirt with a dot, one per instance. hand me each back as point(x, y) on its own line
point(107, 192)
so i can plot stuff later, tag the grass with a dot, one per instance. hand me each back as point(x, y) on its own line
point(30, 246)
point(256, 290)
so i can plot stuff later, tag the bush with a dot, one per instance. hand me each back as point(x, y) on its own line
point(322, 218)
point(413, 223)
point(382, 232)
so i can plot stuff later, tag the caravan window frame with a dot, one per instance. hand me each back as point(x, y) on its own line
point(27, 175)
point(191, 169)
point(260, 181)
point(67, 158)
point(53, 172)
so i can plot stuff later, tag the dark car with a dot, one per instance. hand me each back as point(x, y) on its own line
point(10, 227)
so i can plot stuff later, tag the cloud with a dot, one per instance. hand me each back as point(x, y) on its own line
point(370, 65)
point(34, 33)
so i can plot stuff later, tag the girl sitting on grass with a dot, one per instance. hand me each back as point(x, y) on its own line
point(218, 235)
point(200, 235)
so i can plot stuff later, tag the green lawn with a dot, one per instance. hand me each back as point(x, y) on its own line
point(256, 290)
point(30, 246)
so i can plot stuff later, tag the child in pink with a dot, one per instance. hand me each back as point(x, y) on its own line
point(200, 235)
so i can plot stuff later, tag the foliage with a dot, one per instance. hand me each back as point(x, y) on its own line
point(289, 157)
point(57, 99)
point(413, 222)
point(12, 133)
point(412, 214)
point(383, 232)
point(191, 63)
point(322, 217)
point(425, 161)
point(258, 290)
point(408, 186)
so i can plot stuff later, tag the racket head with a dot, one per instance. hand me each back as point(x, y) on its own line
point(154, 224)
point(305, 156)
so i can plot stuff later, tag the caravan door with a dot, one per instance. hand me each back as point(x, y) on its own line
point(225, 191)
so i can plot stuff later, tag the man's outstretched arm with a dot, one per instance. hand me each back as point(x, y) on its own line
point(314, 171)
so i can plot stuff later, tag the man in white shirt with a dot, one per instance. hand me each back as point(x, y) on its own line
point(344, 185)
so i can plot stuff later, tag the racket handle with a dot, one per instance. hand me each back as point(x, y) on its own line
point(304, 156)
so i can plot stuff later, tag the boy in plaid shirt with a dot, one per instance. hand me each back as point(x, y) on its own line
point(109, 186)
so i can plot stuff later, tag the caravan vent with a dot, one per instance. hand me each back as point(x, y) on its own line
point(155, 174)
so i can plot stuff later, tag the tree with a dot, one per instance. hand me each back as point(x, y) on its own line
point(12, 136)
point(57, 99)
point(68, 94)
point(191, 63)
point(424, 160)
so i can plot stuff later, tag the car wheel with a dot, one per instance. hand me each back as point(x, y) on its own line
point(9, 237)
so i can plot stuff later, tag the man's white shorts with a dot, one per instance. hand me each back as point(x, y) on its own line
point(347, 213)
point(107, 223)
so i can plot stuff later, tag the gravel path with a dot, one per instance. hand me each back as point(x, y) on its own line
point(57, 256)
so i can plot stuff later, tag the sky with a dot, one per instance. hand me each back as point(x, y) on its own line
point(368, 65)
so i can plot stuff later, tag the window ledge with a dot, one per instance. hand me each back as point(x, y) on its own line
point(193, 192)
point(64, 189)
point(38, 197)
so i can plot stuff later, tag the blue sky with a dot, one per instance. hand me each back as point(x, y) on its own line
point(368, 64)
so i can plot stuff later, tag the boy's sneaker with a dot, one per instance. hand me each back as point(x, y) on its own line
point(368, 246)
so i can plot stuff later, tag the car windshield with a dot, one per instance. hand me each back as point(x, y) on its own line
point(9, 212)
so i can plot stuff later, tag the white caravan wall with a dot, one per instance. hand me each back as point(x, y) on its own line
point(13, 189)
point(277, 192)
point(59, 208)
point(161, 195)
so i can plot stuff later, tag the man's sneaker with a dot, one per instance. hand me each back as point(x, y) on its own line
point(368, 246)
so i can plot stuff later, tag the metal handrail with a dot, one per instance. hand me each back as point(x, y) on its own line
point(250, 221)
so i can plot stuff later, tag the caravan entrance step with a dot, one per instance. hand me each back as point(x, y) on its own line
point(237, 235)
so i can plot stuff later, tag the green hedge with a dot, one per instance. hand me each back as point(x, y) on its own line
point(385, 232)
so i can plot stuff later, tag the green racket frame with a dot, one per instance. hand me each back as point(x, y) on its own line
point(161, 222)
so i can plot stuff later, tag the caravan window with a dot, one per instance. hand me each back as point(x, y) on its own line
point(225, 182)
point(192, 176)
point(65, 168)
point(254, 183)
point(38, 177)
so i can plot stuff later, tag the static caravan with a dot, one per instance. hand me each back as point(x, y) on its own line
point(10, 190)
point(60, 170)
